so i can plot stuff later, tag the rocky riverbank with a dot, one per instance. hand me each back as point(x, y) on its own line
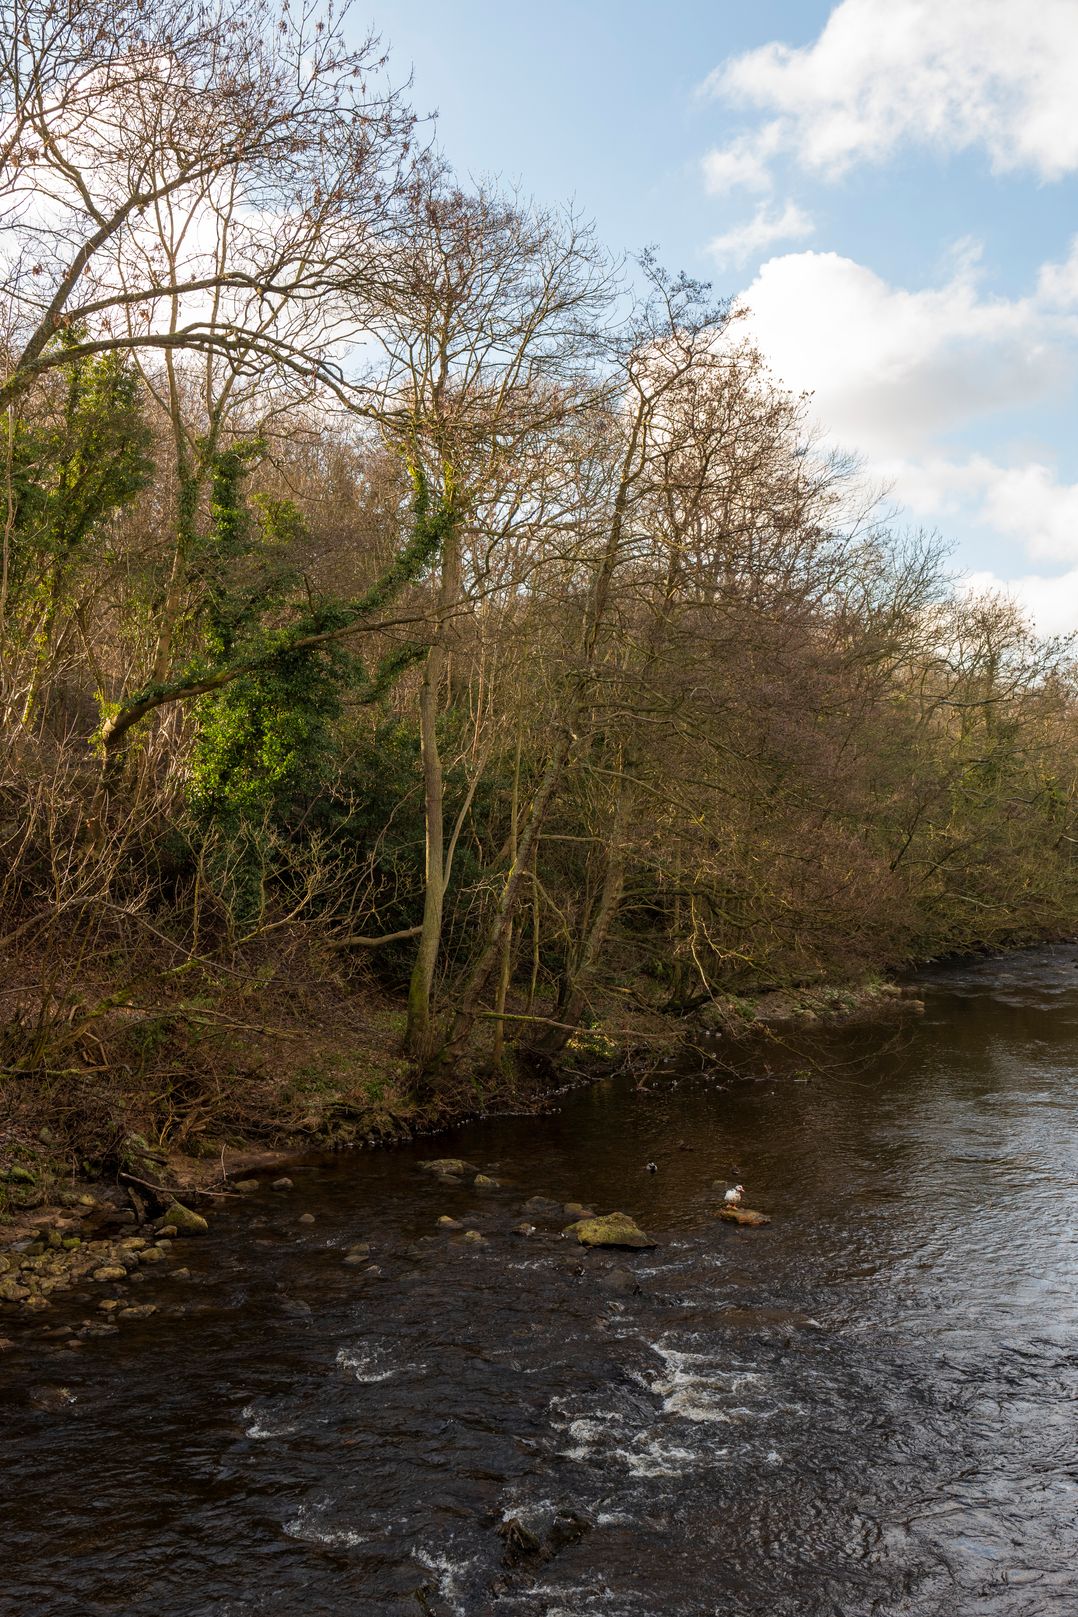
point(85, 1262)
point(108, 1232)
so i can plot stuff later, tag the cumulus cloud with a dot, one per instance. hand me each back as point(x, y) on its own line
point(897, 374)
point(884, 74)
point(763, 230)
point(1051, 603)
point(892, 368)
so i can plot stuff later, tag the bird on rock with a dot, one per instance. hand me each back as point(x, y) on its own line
point(735, 1197)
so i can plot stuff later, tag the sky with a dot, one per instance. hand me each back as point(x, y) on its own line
point(889, 186)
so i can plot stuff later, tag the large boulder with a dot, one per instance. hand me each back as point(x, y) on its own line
point(613, 1229)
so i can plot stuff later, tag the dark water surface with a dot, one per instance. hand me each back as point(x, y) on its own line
point(870, 1407)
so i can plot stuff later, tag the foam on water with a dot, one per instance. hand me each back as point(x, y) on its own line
point(367, 1363)
point(311, 1531)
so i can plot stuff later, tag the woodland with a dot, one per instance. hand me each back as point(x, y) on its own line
point(432, 648)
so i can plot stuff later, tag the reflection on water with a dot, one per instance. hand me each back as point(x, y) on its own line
point(869, 1407)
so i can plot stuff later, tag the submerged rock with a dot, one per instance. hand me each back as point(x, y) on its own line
point(521, 1544)
point(542, 1207)
point(620, 1282)
point(296, 1308)
point(284, 1183)
point(475, 1237)
point(447, 1165)
point(743, 1215)
point(613, 1229)
point(483, 1181)
point(183, 1220)
point(447, 1223)
point(246, 1187)
point(524, 1229)
point(577, 1210)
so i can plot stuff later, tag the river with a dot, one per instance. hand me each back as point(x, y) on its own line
point(869, 1407)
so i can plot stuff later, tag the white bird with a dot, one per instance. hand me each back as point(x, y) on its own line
point(735, 1197)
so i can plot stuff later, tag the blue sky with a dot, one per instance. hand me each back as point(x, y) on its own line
point(890, 185)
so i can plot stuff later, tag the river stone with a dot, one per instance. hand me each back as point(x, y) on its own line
point(153, 1254)
point(6, 1344)
point(524, 1229)
point(306, 1218)
point(521, 1544)
point(246, 1187)
point(475, 1237)
point(483, 1181)
point(138, 1311)
point(447, 1165)
point(542, 1207)
point(447, 1223)
point(620, 1282)
point(743, 1215)
point(612, 1229)
point(577, 1210)
point(110, 1271)
point(284, 1183)
point(355, 1259)
point(183, 1220)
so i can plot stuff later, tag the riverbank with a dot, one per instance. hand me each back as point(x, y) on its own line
point(333, 1081)
point(188, 1097)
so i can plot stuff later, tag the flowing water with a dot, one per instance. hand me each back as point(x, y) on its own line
point(870, 1406)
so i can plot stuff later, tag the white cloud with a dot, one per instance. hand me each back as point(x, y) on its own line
point(949, 74)
point(896, 373)
point(892, 368)
point(763, 230)
point(744, 163)
point(1052, 603)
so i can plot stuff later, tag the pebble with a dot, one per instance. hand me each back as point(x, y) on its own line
point(306, 1218)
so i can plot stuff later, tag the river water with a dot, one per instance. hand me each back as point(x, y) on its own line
point(870, 1407)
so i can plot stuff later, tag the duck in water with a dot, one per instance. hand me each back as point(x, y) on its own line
point(735, 1197)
